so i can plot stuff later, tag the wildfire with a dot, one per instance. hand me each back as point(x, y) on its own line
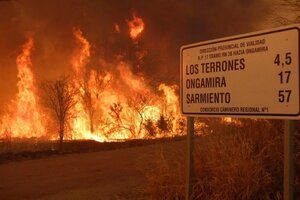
point(81, 124)
point(110, 105)
point(110, 108)
point(24, 118)
point(81, 58)
point(136, 26)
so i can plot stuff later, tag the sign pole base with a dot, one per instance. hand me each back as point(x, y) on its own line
point(190, 157)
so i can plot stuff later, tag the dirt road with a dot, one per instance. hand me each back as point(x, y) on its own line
point(116, 174)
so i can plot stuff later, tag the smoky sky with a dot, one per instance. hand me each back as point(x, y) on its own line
point(169, 24)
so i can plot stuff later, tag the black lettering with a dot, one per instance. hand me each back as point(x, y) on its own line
point(227, 97)
point(224, 65)
point(203, 65)
point(207, 68)
point(236, 64)
point(218, 66)
point(230, 65)
point(188, 98)
point(242, 63)
point(223, 83)
point(207, 98)
point(187, 70)
point(188, 83)
point(196, 97)
point(196, 69)
point(212, 67)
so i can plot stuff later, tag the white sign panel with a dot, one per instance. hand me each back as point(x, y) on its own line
point(254, 74)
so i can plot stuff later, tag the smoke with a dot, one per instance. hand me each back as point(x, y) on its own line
point(168, 25)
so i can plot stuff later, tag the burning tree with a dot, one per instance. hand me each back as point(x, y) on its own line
point(91, 87)
point(117, 122)
point(138, 103)
point(58, 97)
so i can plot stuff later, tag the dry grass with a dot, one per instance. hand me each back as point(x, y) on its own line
point(238, 162)
point(20, 149)
point(163, 173)
point(26, 145)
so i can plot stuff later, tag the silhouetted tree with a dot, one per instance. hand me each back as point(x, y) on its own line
point(150, 128)
point(181, 126)
point(163, 124)
point(138, 102)
point(58, 97)
point(117, 123)
point(92, 86)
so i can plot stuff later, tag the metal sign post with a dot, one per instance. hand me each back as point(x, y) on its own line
point(190, 157)
point(289, 137)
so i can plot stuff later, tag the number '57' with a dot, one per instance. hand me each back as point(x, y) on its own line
point(284, 95)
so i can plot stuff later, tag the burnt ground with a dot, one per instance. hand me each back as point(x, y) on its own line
point(85, 170)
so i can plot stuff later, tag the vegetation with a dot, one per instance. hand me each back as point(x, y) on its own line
point(150, 128)
point(163, 124)
point(242, 160)
point(58, 97)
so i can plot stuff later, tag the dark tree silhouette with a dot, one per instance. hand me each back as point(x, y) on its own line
point(58, 97)
point(138, 102)
point(150, 128)
point(91, 94)
point(163, 124)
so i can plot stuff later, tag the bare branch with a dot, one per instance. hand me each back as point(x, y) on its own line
point(58, 97)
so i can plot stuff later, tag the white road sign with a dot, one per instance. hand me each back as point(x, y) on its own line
point(255, 74)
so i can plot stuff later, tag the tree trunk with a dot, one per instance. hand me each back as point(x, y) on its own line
point(61, 138)
point(91, 125)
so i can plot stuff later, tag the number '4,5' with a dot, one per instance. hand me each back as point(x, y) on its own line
point(288, 59)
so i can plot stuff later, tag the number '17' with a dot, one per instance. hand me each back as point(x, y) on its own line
point(286, 74)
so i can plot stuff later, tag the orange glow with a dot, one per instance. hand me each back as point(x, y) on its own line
point(117, 28)
point(80, 122)
point(136, 26)
point(24, 118)
point(82, 56)
point(111, 105)
point(171, 103)
point(117, 108)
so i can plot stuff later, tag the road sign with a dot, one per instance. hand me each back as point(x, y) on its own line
point(250, 75)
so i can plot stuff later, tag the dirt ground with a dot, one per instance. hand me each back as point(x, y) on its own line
point(115, 174)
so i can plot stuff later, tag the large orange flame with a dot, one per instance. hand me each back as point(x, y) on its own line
point(110, 108)
point(81, 125)
point(111, 105)
point(82, 56)
point(24, 118)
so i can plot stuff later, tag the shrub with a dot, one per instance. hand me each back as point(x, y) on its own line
point(150, 128)
point(163, 124)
